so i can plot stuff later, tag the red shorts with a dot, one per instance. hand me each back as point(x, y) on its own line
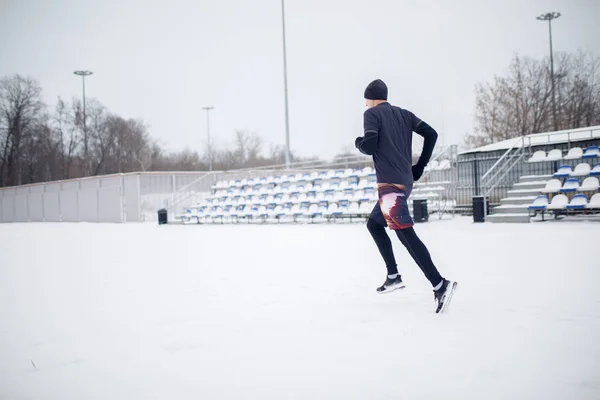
point(392, 208)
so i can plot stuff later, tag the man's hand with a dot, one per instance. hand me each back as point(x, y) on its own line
point(417, 171)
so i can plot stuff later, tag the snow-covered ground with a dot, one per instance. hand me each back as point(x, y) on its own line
point(139, 311)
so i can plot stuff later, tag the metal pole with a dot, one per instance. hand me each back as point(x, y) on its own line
point(552, 76)
point(83, 74)
point(285, 85)
point(549, 17)
point(210, 160)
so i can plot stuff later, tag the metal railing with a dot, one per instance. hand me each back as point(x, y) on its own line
point(495, 175)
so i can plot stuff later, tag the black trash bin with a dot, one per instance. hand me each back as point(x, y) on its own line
point(420, 212)
point(478, 208)
point(162, 216)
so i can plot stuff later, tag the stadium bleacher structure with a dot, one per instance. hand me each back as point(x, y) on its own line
point(570, 190)
point(534, 194)
point(313, 196)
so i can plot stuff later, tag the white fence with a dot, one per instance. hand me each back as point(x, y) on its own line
point(117, 198)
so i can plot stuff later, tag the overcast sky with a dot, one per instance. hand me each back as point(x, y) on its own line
point(163, 60)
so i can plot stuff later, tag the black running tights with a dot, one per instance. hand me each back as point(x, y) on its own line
point(413, 244)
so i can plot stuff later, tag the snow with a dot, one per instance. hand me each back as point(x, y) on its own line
point(531, 183)
point(512, 206)
point(140, 311)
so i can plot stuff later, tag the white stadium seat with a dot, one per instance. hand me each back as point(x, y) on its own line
point(594, 202)
point(574, 154)
point(554, 155)
point(312, 210)
point(333, 208)
point(552, 186)
point(353, 208)
point(592, 152)
point(590, 184)
point(559, 202)
point(595, 170)
point(577, 202)
point(538, 156)
point(582, 169)
point(358, 195)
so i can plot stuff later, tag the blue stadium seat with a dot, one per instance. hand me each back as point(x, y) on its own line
point(571, 185)
point(591, 152)
point(540, 203)
point(579, 201)
point(563, 172)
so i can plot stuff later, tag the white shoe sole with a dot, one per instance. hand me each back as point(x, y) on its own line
point(448, 298)
point(392, 288)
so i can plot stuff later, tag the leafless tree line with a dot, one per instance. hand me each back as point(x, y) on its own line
point(521, 102)
point(39, 144)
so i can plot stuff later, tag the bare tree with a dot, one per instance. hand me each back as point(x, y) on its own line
point(68, 132)
point(520, 103)
point(20, 105)
point(248, 147)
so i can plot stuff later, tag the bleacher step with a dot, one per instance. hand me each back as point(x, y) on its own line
point(517, 200)
point(509, 218)
point(524, 192)
point(534, 178)
point(530, 185)
point(511, 209)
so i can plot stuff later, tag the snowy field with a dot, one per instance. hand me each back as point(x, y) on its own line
point(138, 311)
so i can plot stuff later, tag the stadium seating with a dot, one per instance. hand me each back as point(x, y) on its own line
point(540, 203)
point(582, 169)
point(595, 170)
point(590, 184)
point(591, 152)
point(554, 155)
point(574, 154)
point(564, 171)
point(579, 201)
point(552, 186)
point(594, 202)
point(559, 202)
point(330, 195)
point(571, 185)
point(538, 156)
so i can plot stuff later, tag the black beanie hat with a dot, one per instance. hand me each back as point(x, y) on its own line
point(377, 90)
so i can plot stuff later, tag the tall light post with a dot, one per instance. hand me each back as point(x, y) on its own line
point(285, 85)
point(549, 17)
point(83, 74)
point(210, 161)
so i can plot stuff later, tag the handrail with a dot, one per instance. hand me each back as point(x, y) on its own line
point(177, 197)
point(502, 158)
point(499, 170)
point(308, 163)
point(506, 171)
point(444, 150)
